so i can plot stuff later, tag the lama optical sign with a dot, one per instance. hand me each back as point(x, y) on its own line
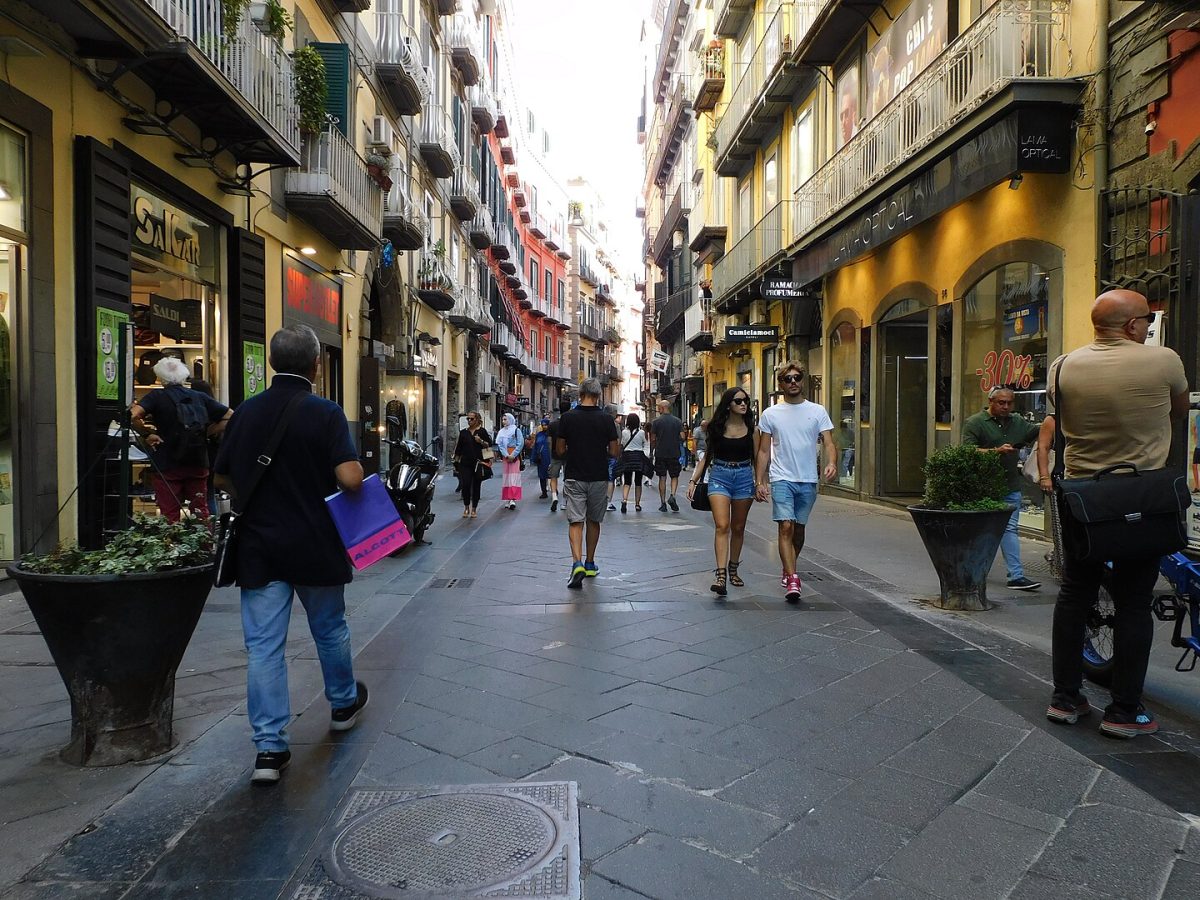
point(752, 333)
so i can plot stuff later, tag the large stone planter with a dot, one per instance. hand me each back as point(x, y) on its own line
point(117, 641)
point(962, 547)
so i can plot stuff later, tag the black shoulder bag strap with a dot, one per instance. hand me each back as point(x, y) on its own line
point(268, 455)
point(1060, 440)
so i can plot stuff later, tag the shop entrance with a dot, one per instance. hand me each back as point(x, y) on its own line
point(903, 425)
point(12, 280)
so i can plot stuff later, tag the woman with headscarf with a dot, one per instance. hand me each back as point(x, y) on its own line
point(541, 454)
point(473, 469)
point(509, 444)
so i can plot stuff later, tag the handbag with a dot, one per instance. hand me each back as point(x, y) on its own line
point(483, 470)
point(487, 454)
point(700, 501)
point(1121, 512)
point(225, 570)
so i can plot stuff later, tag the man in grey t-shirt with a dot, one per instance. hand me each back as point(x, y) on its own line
point(667, 434)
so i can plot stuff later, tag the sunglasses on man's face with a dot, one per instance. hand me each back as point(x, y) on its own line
point(791, 379)
point(1149, 317)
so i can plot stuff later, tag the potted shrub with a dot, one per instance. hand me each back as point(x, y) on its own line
point(961, 520)
point(312, 89)
point(117, 622)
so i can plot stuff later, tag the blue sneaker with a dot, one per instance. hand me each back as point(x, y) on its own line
point(590, 569)
point(578, 572)
point(1122, 724)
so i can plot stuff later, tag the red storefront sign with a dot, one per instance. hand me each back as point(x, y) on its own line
point(313, 299)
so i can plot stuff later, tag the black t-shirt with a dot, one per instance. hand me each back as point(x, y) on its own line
point(160, 406)
point(286, 533)
point(553, 432)
point(731, 449)
point(666, 430)
point(587, 431)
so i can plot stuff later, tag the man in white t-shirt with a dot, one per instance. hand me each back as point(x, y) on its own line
point(792, 432)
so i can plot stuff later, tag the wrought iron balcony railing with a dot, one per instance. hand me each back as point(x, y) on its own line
point(399, 65)
point(331, 188)
point(757, 249)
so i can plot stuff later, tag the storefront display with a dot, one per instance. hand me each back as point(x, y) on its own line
point(843, 407)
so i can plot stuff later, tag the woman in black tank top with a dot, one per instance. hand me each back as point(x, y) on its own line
point(729, 463)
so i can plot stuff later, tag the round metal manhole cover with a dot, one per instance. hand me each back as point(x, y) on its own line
point(444, 844)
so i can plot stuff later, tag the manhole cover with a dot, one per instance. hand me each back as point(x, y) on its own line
point(506, 840)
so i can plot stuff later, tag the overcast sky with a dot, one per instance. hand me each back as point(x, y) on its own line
point(578, 64)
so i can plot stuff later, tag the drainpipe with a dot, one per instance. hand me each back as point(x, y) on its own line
point(1100, 157)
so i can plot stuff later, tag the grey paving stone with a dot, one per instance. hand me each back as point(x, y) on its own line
point(700, 771)
point(461, 648)
point(412, 715)
point(423, 688)
point(1047, 784)
point(597, 888)
point(729, 829)
point(930, 705)
point(753, 664)
point(490, 709)
point(1116, 791)
point(647, 628)
point(955, 769)
point(724, 647)
point(887, 889)
point(67, 890)
point(989, 710)
point(1191, 846)
point(647, 648)
point(750, 744)
point(1184, 883)
point(443, 769)
point(657, 866)
point(657, 725)
point(508, 660)
point(910, 802)
point(857, 745)
point(1082, 852)
point(964, 853)
point(833, 851)
point(576, 676)
point(1038, 887)
point(599, 660)
point(593, 778)
point(515, 757)
point(390, 755)
point(455, 736)
point(705, 682)
point(1011, 812)
point(499, 681)
point(784, 789)
point(738, 704)
point(797, 680)
point(662, 669)
point(600, 834)
point(655, 696)
point(244, 889)
point(566, 732)
point(973, 736)
point(579, 702)
point(853, 657)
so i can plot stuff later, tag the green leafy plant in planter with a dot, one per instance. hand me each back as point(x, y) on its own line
point(232, 12)
point(277, 20)
point(312, 89)
point(963, 479)
point(117, 622)
point(961, 521)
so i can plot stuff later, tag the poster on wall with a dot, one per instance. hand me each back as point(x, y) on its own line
point(849, 113)
point(904, 50)
point(1025, 323)
point(109, 323)
point(254, 371)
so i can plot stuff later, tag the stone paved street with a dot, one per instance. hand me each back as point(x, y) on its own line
point(846, 748)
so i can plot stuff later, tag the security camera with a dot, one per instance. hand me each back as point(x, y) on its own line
point(1152, 126)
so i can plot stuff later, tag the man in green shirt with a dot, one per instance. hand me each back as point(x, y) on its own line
point(997, 430)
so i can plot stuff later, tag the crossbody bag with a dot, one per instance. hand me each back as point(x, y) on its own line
point(225, 572)
point(1121, 512)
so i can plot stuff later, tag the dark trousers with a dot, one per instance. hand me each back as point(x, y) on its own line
point(469, 479)
point(1132, 589)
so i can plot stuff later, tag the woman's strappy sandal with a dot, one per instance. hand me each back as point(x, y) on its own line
point(718, 585)
point(734, 578)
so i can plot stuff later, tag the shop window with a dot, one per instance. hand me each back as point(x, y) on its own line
point(843, 398)
point(1006, 326)
point(12, 180)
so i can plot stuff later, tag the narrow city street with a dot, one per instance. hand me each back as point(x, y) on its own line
point(856, 746)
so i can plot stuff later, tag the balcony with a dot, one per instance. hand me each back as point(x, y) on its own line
point(519, 288)
point(759, 249)
point(482, 232)
point(588, 274)
point(468, 312)
point(611, 336)
point(732, 16)
point(539, 227)
point(504, 250)
point(404, 222)
point(674, 219)
point(538, 305)
point(669, 313)
point(604, 295)
point(435, 287)
point(669, 136)
point(590, 332)
point(706, 224)
point(464, 193)
point(483, 108)
point(711, 77)
point(238, 90)
point(500, 129)
point(764, 88)
point(332, 191)
point(668, 47)
point(508, 156)
point(399, 67)
point(439, 149)
point(613, 374)
point(351, 6)
point(554, 236)
point(519, 199)
point(698, 326)
point(975, 80)
point(465, 50)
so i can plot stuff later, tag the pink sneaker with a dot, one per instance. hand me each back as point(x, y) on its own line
point(783, 579)
point(794, 589)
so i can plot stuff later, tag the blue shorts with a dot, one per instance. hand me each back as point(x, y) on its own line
point(792, 501)
point(735, 482)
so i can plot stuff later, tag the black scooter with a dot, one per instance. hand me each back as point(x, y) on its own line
point(410, 483)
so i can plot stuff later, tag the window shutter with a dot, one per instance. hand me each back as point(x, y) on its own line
point(248, 300)
point(337, 77)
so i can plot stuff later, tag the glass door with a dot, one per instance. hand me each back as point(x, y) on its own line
point(12, 280)
point(904, 407)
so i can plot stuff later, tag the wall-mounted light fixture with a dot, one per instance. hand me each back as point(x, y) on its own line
point(308, 251)
point(1014, 183)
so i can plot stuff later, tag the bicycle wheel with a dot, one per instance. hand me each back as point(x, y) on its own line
point(1098, 639)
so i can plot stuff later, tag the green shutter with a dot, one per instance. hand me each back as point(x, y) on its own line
point(337, 76)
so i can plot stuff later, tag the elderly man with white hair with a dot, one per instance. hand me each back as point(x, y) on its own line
point(181, 421)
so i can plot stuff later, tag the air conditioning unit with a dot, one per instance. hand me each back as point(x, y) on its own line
point(381, 132)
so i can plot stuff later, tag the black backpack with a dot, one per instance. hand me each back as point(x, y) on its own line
point(189, 444)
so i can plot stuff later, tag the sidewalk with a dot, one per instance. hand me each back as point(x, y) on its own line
point(841, 749)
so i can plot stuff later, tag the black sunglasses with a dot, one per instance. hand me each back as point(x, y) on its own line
point(740, 400)
point(1149, 317)
point(791, 379)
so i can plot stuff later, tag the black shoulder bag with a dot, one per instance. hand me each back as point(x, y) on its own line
point(700, 501)
point(1121, 512)
point(225, 572)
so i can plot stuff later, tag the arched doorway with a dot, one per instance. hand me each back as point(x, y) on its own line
point(902, 428)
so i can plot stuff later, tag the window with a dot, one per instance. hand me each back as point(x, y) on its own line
point(533, 275)
point(771, 181)
point(562, 294)
point(546, 347)
point(744, 208)
point(532, 125)
point(803, 163)
point(549, 285)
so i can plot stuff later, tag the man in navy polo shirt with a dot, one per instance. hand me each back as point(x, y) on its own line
point(288, 545)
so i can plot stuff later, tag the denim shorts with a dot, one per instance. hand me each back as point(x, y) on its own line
point(792, 501)
point(733, 481)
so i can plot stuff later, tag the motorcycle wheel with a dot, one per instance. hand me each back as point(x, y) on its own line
point(407, 519)
point(1098, 638)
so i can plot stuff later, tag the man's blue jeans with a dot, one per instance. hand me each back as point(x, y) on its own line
point(266, 612)
point(1010, 544)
